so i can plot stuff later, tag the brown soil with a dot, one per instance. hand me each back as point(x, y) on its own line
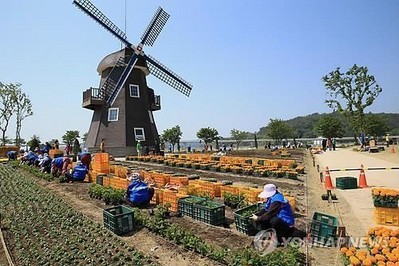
point(161, 251)
point(166, 253)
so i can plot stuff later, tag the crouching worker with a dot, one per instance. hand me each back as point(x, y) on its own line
point(138, 193)
point(12, 155)
point(59, 166)
point(45, 164)
point(276, 213)
point(78, 173)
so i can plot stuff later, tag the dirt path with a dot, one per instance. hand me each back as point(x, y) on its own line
point(354, 208)
point(159, 249)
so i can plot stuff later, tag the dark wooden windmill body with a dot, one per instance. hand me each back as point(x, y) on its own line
point(123, 104)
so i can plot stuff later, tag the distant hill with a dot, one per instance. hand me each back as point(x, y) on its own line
point(304, 125)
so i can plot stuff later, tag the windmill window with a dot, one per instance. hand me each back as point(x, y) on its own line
point(134, 91)
point(113, 114)
point(139, 133)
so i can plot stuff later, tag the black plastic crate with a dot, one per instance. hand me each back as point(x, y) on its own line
point(346, 182)
point(118, 219)
point(100, 179)
point(242, 221)
point(186, 205)
point(385, 202)
point(209, 212)
point(324, 228)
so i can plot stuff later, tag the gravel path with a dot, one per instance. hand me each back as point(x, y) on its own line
point(360, 200)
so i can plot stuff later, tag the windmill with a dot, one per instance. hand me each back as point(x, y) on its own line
point(123, 104)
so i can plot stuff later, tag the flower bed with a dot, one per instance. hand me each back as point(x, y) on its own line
point(384, 197)
point(382, 248)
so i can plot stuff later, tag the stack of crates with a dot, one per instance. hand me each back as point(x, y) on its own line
point(100, 163)
point(157, 198)
point(229, 189)
point(178, 180)
point(251, 194)
point(210, 188)
point(160, 179)
point(171, 198)
point(54, 153)
point(324, 228)
point(386, 211)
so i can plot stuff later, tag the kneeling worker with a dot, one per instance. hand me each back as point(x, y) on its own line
point(138, 193)
point(276, 213)
point(78, 173)
point(59, 166)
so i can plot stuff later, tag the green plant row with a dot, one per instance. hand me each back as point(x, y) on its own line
point(45, 230)
point(235, 201)
point(33, 170)
point(109, 194)
point(246, 256)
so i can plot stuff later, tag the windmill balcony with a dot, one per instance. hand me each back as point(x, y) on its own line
point(91, 99)
point(156, 103)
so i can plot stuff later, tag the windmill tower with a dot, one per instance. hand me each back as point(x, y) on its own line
point(123, 104)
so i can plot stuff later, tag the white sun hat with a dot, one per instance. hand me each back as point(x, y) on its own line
point(268, 191)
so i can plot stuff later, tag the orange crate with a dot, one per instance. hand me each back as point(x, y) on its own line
point(211, 188)
point(100, 157)
point(229, 189)
point(251, 194)
point(171, 198)
point(292, 202)
point(55, 153)
point(189, 190)
point(157, 198)
point(179, 180)
point(386, 216)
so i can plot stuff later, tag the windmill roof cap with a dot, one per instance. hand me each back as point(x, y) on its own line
point(110, 61)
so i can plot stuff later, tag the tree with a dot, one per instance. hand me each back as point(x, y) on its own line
point(84, 138)
point(7, 107)
point(351, 93)
point(172, 135)
point(329, 127)
point(277, 130)
point(23, 109)
point(376, 125)
point(238, 136)
point(207, 134)
point(70, 136)
point(33, 143)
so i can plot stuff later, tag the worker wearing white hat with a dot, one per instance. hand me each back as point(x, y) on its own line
point(276, 213)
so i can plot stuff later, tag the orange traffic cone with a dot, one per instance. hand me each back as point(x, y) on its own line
point(327, 180)
point(392, 149)
point(362, 178)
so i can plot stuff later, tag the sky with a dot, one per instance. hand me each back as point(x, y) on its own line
point(248, 61)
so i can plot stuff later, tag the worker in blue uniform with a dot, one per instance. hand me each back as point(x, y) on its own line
point(276, 213)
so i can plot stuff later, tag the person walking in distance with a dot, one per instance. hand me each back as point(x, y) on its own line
point(138, 148)
point(102, 145)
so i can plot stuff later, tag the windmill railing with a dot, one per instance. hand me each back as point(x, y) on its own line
point(91, 98)
point(156, 104)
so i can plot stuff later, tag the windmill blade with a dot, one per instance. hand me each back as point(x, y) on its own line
point(87, 7)
point(122, 79)
point(168, 76)
point(155, 27)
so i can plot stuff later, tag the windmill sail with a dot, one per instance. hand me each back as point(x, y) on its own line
point(168, 76)
point(92, 11)
point(122, 79)
point(155, 27)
